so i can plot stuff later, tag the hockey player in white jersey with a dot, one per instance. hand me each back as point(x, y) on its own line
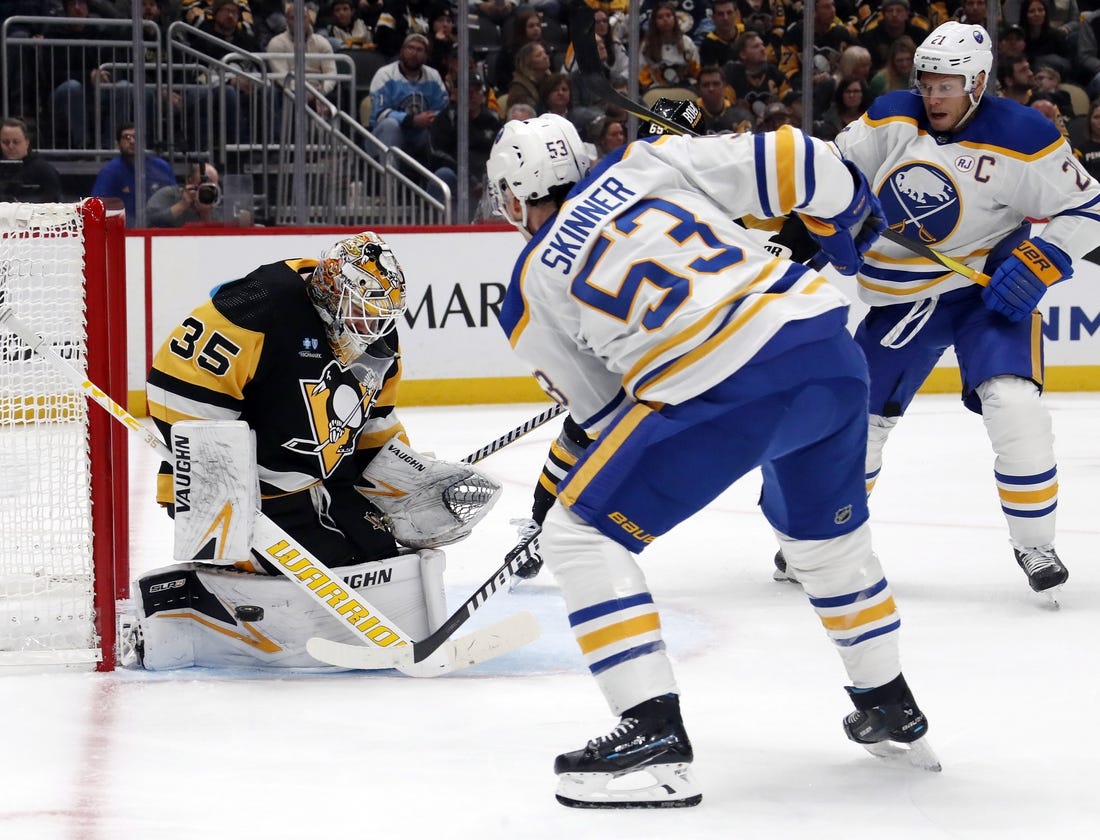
point(963, 172)
point(692, 356)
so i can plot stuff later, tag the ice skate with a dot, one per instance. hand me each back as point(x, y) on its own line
point(781, 572)
point(1045, 572)
point(644, 762)
point(888, 724)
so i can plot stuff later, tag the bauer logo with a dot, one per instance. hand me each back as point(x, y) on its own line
point(920, 201)
point(634, 529)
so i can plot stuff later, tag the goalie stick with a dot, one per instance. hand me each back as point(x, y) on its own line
point(370, 627)
point(582, 27)
point(419, 659)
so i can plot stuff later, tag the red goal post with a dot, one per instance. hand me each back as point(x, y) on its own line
point(64, 511)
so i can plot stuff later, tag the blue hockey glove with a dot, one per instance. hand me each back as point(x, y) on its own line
point(845, 238)
point(1020, 282)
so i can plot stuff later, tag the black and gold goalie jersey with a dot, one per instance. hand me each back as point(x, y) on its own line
point(257, 351)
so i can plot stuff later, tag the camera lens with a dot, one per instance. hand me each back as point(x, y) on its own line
point(207, 193)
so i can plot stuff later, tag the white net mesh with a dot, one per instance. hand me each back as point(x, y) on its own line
point(46, 568)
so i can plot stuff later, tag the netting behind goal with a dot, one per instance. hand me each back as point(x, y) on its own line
point(63, 545)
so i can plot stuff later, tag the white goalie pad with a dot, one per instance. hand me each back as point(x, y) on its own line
point(426, 503)
point(193, 614)
point(216, 490)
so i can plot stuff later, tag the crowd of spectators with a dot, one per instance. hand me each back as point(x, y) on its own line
point(739, 60)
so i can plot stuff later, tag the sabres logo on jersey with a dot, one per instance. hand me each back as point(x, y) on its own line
point(337, 405)
point(921, 201)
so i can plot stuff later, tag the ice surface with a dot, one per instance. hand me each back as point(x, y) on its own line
point(1009, 685)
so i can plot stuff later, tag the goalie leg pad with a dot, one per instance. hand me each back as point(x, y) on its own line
point(198, 615)
point(425, 502)
point(216, 490)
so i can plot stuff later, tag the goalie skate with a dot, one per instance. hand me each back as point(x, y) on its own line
point(644, 762)
point(891, 731)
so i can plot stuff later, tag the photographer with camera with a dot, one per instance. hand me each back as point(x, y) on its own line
point(198, 201)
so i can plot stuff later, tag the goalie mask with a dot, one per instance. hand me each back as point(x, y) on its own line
point(358, 289)
point(531, 157)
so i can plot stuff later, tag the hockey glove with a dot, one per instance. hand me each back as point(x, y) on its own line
point(1020, 282)
point(845, 238)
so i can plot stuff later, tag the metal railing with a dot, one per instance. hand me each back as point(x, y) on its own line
point(234, 111)
point(54, 82)
point(351, 178)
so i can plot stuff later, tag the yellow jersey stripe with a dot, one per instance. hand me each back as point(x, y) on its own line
point(617, 632)
point(851, 620)
point(608, 445)
point(1029, 497)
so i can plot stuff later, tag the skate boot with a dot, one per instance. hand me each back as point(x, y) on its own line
point(888, 724)
point(1045, 572)
point(781, 572)
point(649, 741)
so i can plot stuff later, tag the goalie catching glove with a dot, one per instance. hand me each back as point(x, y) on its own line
point(426, 503)
point(1020, 282)
point(845, 237)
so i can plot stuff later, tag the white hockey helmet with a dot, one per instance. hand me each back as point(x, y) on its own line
point(358, 289)
point(956, 49)
point(530, 157)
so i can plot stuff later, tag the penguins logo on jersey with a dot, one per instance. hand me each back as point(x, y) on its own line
point(921, 201)
point(337, 406)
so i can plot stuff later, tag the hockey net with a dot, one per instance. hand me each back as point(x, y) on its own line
point(63, 478)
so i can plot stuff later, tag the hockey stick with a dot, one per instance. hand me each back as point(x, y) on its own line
point(514, 435)
point(370, 626)
point(406, 659)
point(920, 249)
point(457, 650)
point(353, 656)
point(581, 25)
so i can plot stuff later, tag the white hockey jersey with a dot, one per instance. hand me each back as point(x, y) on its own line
point(962, 193)
point(642, 288)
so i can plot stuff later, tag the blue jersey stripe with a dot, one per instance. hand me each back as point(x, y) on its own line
point(626, 656)
point(761, 148)
point(851, 597)
point(1029, 514)
point(870, 634)
point(1026, 479)
point(608, 607)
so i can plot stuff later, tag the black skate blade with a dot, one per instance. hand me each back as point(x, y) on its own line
point(918, 755)
point(691, 801)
